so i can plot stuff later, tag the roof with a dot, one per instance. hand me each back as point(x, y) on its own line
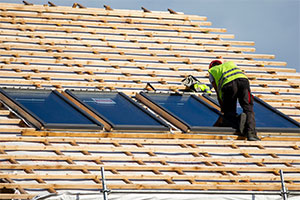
point(59, 48)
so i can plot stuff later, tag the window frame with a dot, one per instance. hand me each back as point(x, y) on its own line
point(40, 124)
point(110, 126)
point(271, 108)
point(176, 120)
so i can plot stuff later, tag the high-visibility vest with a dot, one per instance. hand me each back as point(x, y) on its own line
point(224, 74)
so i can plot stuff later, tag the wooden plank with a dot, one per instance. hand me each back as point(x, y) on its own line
point(200, 135)
point(17, 196)
point(9, 121)
point(201, 186)
point(86, 56)
point(103, 18)
point(20, 189)
point(89, 24)
point(268, 178)
point(206, 37)
point(284, 104)
point(108, 85)
point(150, 168)
point(141, 70)
point(109, 69)
point(14, 129)
point(69, 76)
point(101, 40)
point(271, 97)
point(4, 112)
point(289, 111)
point(179, 159)
point(108, 30)
point(121, 76)
point(166, 141)
point(99, 11)
point(71, 80)
point(151, 149)
point(92, 49)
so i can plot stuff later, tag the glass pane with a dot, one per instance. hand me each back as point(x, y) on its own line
point(186, 108)
point(267, 118)
point(264, 116)
point(48, 106)
point(116, 108)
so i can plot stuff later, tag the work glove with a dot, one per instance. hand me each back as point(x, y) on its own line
point(193, 84)
point(201, 87)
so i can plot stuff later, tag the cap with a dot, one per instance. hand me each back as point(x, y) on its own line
point(214, 63)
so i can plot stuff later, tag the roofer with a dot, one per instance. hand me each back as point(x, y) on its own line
point(231, 84)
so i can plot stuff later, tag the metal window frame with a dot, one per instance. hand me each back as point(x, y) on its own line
point(269, 107)
point(110, 126)
point(176, 120)
point(40, 124)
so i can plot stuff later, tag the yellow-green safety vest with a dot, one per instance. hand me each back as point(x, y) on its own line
point(224, 74)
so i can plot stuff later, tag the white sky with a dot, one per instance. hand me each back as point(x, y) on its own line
point(274, 25)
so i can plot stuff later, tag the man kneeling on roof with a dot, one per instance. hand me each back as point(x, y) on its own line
point(231, 84)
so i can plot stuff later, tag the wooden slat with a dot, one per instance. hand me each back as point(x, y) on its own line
point(141, 70)
point(103, 18)
point(156, 26)
point(150, 168)
point(86, 56)
point(69, 83)
point(200, 135)
point(166, 141)
point(92, 49)
point(208, 178)
point(179, 159)
point(115, 31)
point(17, 196)
point(9, 121)
point(98, 11)
point(101, 40)
point(101, 85)
point(123, 77)
point(66, 47)
point(150, 149)
point(199, 186)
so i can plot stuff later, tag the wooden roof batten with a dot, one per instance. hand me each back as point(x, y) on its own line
point(57, 47)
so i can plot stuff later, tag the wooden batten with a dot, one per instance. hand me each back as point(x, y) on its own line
point(74, 47)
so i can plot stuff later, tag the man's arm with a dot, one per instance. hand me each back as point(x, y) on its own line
point(220, 100)
point(212, 81)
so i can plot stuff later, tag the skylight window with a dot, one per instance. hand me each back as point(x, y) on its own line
point(267, 117)
point(117, 111)
point(187, 112)
point(46, 109)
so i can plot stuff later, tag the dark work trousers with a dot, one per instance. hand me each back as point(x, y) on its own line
point(238, 89)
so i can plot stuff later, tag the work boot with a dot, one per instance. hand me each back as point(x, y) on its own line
point(252, 136)
point(242, 121)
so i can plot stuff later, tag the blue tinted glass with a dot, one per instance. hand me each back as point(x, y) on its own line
point(186, 108)
point(115, 108)
point(265, 117)
point(48, 106)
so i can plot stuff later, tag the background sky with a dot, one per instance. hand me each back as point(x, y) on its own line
point(274, 25)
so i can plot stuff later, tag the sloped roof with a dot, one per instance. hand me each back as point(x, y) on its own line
point(60, 48)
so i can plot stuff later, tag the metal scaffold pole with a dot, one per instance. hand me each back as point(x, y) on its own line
point(104, 188)
point(284, 192)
